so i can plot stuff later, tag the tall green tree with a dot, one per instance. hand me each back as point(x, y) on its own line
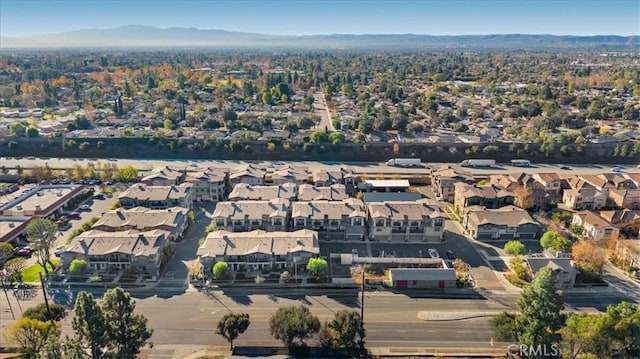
point(89, 324)
point(504, 325)
point(55, 348)
point(293, 324)
point(515, 248)
point(41, 233)
point(540, 304)
point(232, 325)
point(126, 332)
point(347, 329)
point(555, 241)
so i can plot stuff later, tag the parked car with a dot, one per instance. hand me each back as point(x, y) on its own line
point(74, 215)
point(99, 196)
point(451, 254)
point(565, 167)
point(433, 253)
point(25, 251)
point(616, 169)
point(85, 207)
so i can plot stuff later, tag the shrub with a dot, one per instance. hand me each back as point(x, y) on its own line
point(515, 248)
point(219, 269)
point(77, 266)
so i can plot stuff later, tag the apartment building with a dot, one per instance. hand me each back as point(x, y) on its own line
point(209, 184)
point(245, 216)
point(333, 220)
point(258, 250)
point(247, 192)
point(173, 220)
point(488, 196)
point(157, 197)
point(399, 221)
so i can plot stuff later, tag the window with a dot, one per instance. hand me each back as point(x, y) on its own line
point(380, 223)
point(238, 222)
point(299, 222)
point(220, 222)
point(277, 222)
point(334, 223)
point(255, 222)
point(357, 221)
point(317, 223)
point(397, 223)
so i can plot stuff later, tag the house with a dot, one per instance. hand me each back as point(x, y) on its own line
point(564, 269)
point(628, 221)
point(503, 223)
point(116, 251)
point(488, 196)
point(258, 250)
point(287, 174)
point(244, 216)
point(209, 184)
point(164, 176)
point(248, 174)
point(333, 220)
point(425, 278)
point(443, 181)
point(627, 251)
point(585, 198)
point(595, 227)
point(174, 221)
point(397, 221)
point(247, 192)
point(335, 192)
point(624, 198)
point(157, 197)
point(345, 176)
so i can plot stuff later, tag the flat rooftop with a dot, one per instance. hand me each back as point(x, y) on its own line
point(12, 227)
point(40, 199)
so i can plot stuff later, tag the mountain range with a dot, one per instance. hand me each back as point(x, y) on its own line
point(137, 36)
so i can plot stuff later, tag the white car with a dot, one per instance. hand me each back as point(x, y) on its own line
point(433, 253)
point(616, 169)
point(85, 207)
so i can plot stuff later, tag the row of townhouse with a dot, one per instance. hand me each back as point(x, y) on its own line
point(574, 192)
point(152, 215)
point(347, 219)
point(214, 184)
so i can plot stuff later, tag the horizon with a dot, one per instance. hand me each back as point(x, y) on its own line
point(304, 18)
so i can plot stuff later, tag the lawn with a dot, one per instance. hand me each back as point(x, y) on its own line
point(30, 274)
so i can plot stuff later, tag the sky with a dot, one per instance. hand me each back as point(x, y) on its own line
point(312, 17)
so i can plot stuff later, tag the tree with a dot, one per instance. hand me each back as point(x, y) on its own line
point(32, 132)
point(621, 329)
point(524, 197)
point(89, 324)
point(581, 335)
point(232, 325)
point(126, 332)
point(515, 248)
point(540, 318)
point(40, 312)
point(317, 266)
point(127, 173)
point(55, 348)
point(77, 266)
point(347, 329)
point(589, 256)
point(14, 268)
point(5, 249)
point(31, 334)
point(42, 233)
point(555, 241)
point(504, 325)
point(293, 323)
point(219, 269)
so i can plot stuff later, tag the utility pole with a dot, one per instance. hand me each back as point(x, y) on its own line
point(362, 299)
point(44, 291)
point(7, 295)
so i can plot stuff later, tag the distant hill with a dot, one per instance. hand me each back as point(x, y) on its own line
point(145, 36)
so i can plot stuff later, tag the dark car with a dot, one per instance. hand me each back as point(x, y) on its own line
point(451, 254)
point(74, 215)
point(98, 196)
point(565, 168)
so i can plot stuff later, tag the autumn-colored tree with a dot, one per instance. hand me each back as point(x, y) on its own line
point(588, 255)
point(524, 197)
